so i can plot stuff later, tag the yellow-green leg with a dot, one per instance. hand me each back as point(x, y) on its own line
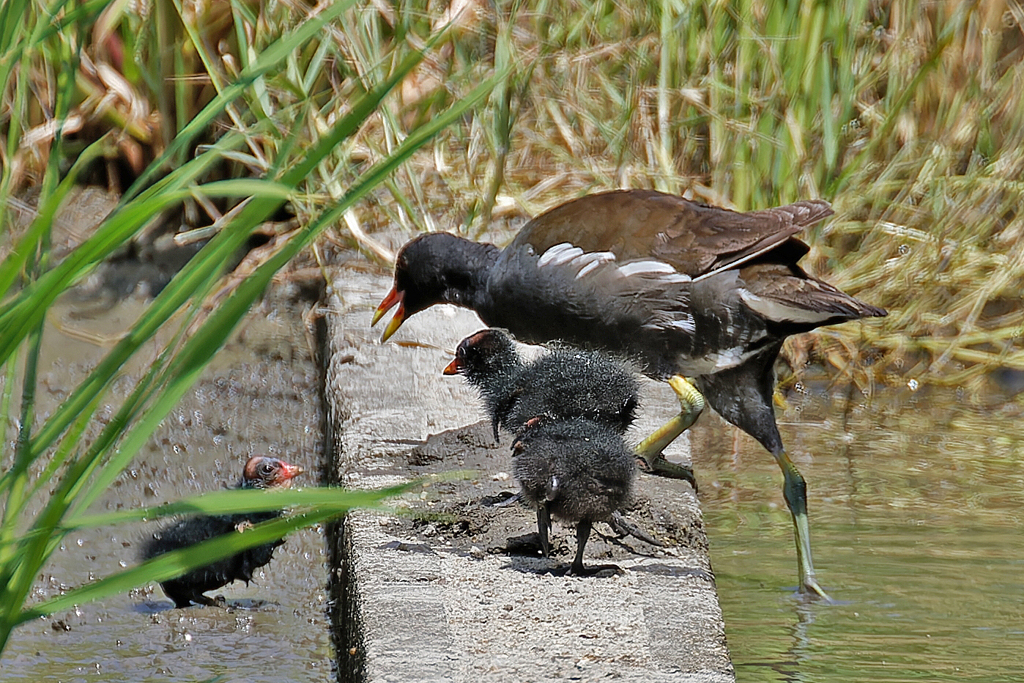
point(795, 491)
point(650, 450)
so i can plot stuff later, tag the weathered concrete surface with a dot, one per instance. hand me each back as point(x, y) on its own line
point(462, 595)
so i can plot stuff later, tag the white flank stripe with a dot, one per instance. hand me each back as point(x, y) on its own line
point(686, 325)
point(587, 268)
point(637, 267)
point(599, 256)
point(780, 312)
point(592, 260)
point(729, 358)
point(559, 254)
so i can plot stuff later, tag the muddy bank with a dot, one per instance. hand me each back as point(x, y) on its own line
point(473, 516)
point(258, 396)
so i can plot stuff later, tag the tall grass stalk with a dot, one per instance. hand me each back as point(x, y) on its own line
point(268, 133)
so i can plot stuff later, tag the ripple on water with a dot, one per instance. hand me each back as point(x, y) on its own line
point(916, 527)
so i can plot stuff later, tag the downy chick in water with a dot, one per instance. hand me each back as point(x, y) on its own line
point(260, 472)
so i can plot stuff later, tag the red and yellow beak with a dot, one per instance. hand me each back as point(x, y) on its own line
point(453, 367)
point(287, 473)
point(393, 298)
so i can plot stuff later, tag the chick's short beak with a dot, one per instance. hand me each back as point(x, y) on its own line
point(289, 471)
point(453, 367)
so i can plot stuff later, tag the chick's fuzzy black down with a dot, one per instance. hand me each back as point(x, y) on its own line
point(568, 383)
point(582, 469)
point(188, 588)
point(563, 383)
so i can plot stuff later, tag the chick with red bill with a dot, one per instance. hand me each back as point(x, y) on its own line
point(562, 383)
point(261, 473)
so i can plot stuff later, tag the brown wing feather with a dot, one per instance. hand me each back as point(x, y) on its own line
point(788, 294)
point(694, 238)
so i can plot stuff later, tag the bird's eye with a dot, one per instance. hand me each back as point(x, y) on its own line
point(266, 467)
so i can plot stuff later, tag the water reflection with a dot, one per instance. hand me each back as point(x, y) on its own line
point(916, 505)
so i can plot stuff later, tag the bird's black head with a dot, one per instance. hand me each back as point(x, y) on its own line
point(435, 268)
point(431, 270)
point(264, 472)
point(485, 354)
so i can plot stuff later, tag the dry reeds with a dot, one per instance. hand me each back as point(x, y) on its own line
point(908, 116)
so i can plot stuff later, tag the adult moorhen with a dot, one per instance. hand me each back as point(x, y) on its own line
point(684, 288)
point(561, 384)
point(576, 470)
point(261, 472)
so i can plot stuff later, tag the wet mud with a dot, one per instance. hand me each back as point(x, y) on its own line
point(259, 395)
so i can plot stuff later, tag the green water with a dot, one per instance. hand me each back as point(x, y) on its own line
point(917, 523)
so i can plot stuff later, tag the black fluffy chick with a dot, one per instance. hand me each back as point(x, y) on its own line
point(578, 471)
point(564, 383)
point(261, 472)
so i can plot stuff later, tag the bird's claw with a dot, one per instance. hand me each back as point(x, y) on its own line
point(812, 589)
point(625, 527)
point(593, 569)
point(660, 466)
point(502, 500)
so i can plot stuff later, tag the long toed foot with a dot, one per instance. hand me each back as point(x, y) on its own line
point(206, 600)
point(583, 570)
point(502, 500)
point(649, 452)
point(812, 588)
point(626, 527)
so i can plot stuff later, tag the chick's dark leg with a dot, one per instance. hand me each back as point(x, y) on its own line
point(183, 594)
point(650, 450)
point(201, 599)
point(578, 568)
point(543, 525)
point(582, 534)
point(187, 599)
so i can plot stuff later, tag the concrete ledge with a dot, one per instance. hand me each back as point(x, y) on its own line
point(451, 593)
